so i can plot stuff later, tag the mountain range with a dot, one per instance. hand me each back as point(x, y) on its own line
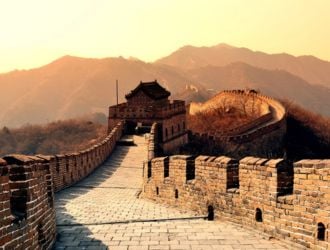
point(73, 86)
point(309, 68)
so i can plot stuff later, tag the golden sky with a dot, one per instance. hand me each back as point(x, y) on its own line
point(35, 32)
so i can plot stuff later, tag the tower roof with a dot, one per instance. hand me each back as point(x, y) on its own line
point(152, 89)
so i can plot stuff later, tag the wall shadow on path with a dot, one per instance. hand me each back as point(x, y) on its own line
point(70, 232)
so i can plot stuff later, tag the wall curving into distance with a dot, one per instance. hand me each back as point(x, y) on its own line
point(28, 183)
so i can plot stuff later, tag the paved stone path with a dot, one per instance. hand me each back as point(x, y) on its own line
point(104, 212)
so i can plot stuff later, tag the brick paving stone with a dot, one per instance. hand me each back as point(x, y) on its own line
point(103, 211)
point(160, 247)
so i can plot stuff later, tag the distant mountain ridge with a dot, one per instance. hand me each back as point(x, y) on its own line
point(71, 86)
point(74, 86)
point(309, 68)
point(276, 83)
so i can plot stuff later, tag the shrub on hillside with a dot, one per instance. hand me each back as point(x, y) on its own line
point(308, 134)
point(216, 120)
point(53, 138)
point(307, 137)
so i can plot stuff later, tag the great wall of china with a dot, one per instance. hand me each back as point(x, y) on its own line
point(28, 183)
point(290, 202)
point(286, 201)
point(270, 112)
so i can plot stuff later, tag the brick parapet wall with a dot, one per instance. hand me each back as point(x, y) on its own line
point(273, 117)
point(254, 102)
point(27, 204)
point(173, 145)
point(27, 186)
point(68, 169)
point(245, 127)
point(286, 201)
point(153, 142)
point(161, 139)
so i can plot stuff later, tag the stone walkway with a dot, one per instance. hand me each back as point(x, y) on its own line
point(104, 212)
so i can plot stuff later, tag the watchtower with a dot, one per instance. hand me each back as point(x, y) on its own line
point(149, 103)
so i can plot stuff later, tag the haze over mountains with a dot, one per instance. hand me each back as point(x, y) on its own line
point(72, 86)
point(309, 68)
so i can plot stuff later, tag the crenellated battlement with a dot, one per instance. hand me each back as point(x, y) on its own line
point(285, 200)
point(288, 201)
point(28, 183)
point(68, 169)
point(27, 203)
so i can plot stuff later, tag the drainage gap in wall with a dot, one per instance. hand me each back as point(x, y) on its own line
point(166, 168)
point(18, 205)
point(258, 215)
point(67, 165)
point(41, 236)
point(57, 166)
point(190, 170)
point(176, 194)
point(210, 213)
point(50, 197)
point(149, 169)
point(320, 231)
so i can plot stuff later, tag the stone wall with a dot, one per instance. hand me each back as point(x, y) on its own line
point(174, 133)
point(28, 183)
point(27, 212)
point(173, 145)
point(286, 201)
point(158, 146)
point(246, 102)
point(68, 169)
point(267, 145)
point(153, 142)
point(272, 117)
point(167, 136)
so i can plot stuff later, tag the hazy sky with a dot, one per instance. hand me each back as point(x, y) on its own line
point(35, 32)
